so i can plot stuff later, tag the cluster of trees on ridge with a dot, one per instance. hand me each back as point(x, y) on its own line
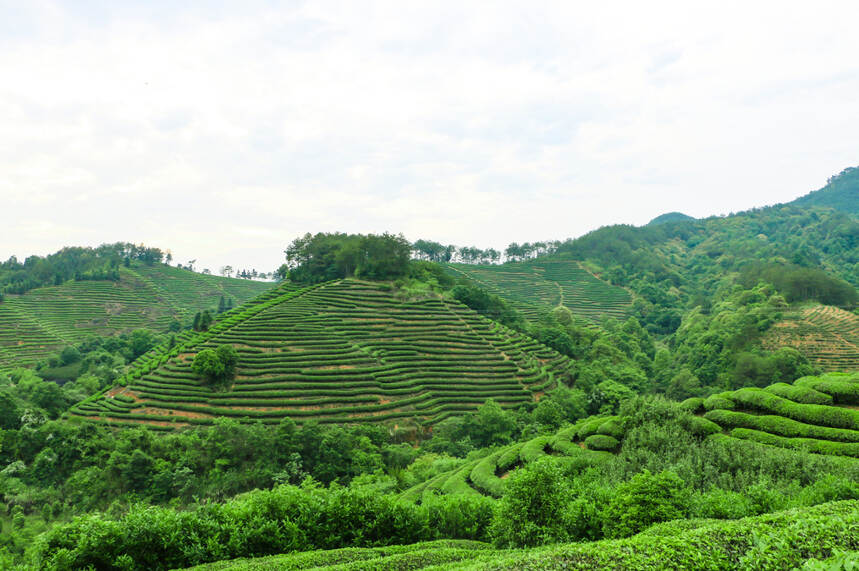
point(431, 251)
point(101, 263)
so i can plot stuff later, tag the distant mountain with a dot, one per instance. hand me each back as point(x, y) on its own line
point(669, 217)
point(841, 193)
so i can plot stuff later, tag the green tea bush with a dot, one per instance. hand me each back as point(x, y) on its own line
point(810, 413)
point(601, 442)
point(701, 426)
point(780, 426)
point(693, 405)
point(799, 393)
point(714, 402)
point(484, 478)
point(844, 392)
point(810, 444)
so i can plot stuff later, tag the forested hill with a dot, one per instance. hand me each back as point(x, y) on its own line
point(104, 299)
point(841, 193)
point(808, 251)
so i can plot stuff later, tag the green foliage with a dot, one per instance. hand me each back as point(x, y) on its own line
point(644, 500)
point(533, 507)
point(322, 257)
point(799, 393)
point(799, 283)
point(80, 264)
point(780, 426)
point(486, 304)
point(809, 413)
point(843, 388)
point(839, 192)
point(601, 442)
point(218, 366)
point(287, 518)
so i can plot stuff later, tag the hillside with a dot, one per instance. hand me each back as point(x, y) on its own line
point(540, 285)
point(588, 442)
point(42, 321)
point(827, 335)
point(841, 193)
point(817, 414)
point(342, 351)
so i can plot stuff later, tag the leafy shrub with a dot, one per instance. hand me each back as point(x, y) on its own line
point(531, 512)
point(644, 500)
point(714, 402)
point(780, 426)
point(218, 366)
point(844, 392)
point(601, 442)
point(693, 405)
point(611, 427)
point(701, 426)
point(287, 518)
point(810, 413)
point(799, 393)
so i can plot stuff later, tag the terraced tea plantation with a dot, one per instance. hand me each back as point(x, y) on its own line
point(346, 351)
point(589, 441)
point(540, 285)
point(43, 321)
point(817, 414)
point(827, 335)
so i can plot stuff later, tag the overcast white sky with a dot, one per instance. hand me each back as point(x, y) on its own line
point(223, 130)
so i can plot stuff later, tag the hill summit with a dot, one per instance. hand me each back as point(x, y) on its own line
point(670, 217)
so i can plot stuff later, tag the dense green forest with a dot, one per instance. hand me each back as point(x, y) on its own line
point(627, 399)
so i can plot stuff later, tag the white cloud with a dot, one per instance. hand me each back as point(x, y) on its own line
point(224, 133)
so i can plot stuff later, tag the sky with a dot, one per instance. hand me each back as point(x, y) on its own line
point(221, 131)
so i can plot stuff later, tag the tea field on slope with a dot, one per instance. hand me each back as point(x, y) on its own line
point(344, 351)
point(815, 414)
point(542, 284)
point(43, 321)
point(827, 335)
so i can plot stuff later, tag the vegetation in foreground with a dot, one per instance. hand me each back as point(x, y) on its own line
point(822, 537)
point(664, 470)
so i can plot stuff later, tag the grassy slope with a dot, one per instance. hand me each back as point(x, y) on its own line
point(42, 321)
point(828, 336)
point(347, 351)
point(542, 284)
point(782, 540)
